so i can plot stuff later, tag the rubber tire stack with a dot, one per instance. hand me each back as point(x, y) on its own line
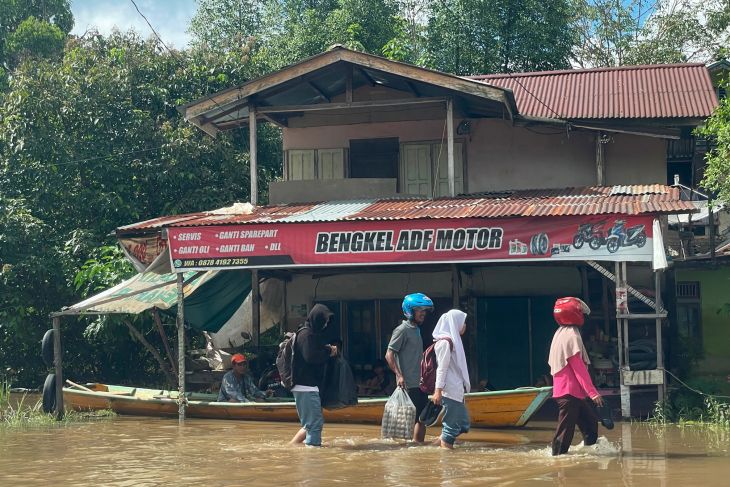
point(49, 386)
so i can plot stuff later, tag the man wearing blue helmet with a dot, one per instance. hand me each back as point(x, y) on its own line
point(405, 351)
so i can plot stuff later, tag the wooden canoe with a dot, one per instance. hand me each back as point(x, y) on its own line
point(487, 409)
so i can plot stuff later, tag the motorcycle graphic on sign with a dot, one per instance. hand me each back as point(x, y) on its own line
point(620, 236)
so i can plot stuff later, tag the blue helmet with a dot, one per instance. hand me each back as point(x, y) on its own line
point(416, 300)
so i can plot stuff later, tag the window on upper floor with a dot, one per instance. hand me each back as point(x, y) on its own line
point(308, 164)
point(420, 168)
point(374, 158)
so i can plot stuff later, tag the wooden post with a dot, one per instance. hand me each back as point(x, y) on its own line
point(450, 146)
point(58, 364)
point(529, 341)
point(600, 160)
point(659, 345)
point(348, 83)
point(622, 338)
point(252, 154)
point(455, 289)
point(711, 221)
point(255, 308)
point(181, 402)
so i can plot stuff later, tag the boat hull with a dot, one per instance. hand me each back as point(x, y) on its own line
point(486, 409)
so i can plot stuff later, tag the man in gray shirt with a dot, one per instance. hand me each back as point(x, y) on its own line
point(404, 354)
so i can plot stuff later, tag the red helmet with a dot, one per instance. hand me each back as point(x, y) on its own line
point(570, 311)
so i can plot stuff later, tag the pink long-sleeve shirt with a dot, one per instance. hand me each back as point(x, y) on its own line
point(574, 380)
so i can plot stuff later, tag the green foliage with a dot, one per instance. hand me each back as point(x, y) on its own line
point(90, 142)
point(710, 412)
point(35, 38)
point(489, 36)
point(296, 29)
point(106, 267)
point(638, 32)
point(13, 13)
point(687, 407)
point(27, 415)
point(717, 168)
point(226, 25)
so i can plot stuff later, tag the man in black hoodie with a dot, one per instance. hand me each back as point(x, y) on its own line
point(310, 356)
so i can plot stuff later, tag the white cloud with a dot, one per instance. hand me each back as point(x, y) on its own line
point(170, 18)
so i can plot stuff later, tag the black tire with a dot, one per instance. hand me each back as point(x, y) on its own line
point(49, 394)
point(543, 244)
point(595, 243)
point(641, 240)
point(612, 245)
point(47, 348)
point(578, 241)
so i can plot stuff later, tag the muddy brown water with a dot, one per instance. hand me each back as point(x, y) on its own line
point(129, 451)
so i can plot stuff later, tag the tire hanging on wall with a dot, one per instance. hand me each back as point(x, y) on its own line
point(47, 348)
point(49, 394)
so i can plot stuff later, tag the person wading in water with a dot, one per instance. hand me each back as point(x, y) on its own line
point(405, 351)
point(572, 386)
point(310, 356)
point(452, 376)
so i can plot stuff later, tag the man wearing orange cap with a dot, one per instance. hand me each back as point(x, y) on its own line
point(238, 385)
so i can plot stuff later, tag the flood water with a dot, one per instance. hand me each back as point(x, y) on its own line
point(128, 451)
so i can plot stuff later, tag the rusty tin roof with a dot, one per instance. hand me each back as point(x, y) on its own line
point(629, 200)
point(627, 92)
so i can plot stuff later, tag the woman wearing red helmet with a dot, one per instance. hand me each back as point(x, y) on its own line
point(572, 386)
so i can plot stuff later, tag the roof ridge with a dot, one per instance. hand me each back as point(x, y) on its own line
point(636, 67)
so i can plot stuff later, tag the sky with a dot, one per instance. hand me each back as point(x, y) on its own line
point(170, 18)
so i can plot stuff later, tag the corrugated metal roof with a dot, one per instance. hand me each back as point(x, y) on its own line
point(653, 91)
point(631, 200)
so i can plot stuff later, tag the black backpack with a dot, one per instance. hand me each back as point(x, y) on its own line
point(285, 360)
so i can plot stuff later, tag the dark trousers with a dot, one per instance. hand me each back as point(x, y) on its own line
point(574, 411)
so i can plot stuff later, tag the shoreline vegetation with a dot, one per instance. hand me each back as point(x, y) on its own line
point(24, 413)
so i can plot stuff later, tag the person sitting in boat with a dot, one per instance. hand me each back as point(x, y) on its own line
point(380, 384)
point(238, 385)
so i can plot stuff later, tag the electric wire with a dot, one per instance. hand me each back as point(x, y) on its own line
point(696, 391)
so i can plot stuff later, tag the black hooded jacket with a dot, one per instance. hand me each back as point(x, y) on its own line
point(310, 351)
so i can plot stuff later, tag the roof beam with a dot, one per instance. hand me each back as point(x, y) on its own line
point(275, 121)
point(348, 83)
point(412, 89)
point(231, 107)
point(319, 92)
point(355, 104)
point(367, 77)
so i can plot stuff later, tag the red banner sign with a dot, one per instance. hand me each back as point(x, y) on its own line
point(604, 237)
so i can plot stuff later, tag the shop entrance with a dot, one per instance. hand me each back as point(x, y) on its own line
point(514, 335)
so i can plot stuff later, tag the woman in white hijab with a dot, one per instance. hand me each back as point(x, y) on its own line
point(452, 375)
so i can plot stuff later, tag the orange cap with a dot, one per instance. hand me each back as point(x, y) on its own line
point(239, 357)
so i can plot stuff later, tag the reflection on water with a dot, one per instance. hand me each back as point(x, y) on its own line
point(145, 451)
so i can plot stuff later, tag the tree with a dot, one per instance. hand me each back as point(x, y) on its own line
point(647, 32)
point(14, 12)
point(717, 169)
point(35, 37)
point(469, 37)
point(90, 142)
point(226, 25)
point(296, 29)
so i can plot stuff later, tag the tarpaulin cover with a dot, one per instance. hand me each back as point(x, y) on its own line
point(211, 297)
point(140, 293)
point(213, 303)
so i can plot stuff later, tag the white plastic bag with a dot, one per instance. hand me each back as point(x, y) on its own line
point(399, 416)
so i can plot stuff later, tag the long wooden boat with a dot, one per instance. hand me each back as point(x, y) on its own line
point(487, 409)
